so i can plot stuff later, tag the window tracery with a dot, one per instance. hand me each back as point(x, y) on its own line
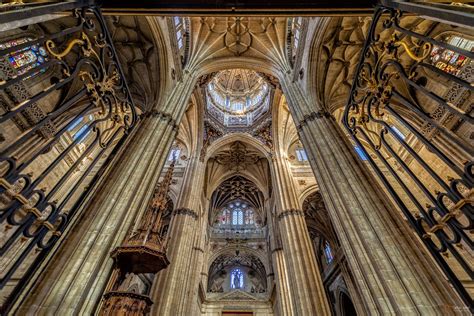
point(174, 154)
point(237, 213)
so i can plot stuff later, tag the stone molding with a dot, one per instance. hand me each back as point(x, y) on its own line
point(163, 116)
point(311, 117)
point(186, 211)
point(291, 211)
point(198, 249)
point(276, 249)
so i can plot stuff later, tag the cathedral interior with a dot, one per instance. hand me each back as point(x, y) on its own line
point(236, 157)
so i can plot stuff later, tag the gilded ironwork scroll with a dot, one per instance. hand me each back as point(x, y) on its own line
point(65, 111)
point(404, 81)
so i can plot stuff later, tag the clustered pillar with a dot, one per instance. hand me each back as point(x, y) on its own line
point(75, 277)
point(307, 289)
point(391, 271)
point(181, 279)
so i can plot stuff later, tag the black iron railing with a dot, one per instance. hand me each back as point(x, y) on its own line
point(409, 111)
point(65, 110)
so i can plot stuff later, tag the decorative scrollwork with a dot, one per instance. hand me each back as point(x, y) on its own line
point(438, 211)
point(37, 208)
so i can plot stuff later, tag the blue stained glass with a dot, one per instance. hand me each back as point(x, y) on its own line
point(75, 123)
point(237, 217)
point(398, 132)
point(27, 58)
point(301, 154)
point(328, 252)
point(360, 153)
point(82, 132)
point(237, 279)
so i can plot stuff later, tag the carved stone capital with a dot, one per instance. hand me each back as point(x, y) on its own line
point(289, 212)
point(277, 249)
point(168, 118)
point(198, 249)
point(186, 212)
point(311, 117)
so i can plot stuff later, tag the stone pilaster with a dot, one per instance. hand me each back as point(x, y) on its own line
point(307, 290)
point(390, 269)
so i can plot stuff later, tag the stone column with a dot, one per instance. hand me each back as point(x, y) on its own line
point(175, 292)
point(307, 290)
point(74, 279)
point(392, 273)
point(285, 304)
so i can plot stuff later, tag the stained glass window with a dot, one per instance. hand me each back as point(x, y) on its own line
point(449, 61)
point(224, 218)
point(301, 154)
point(237, 217)
point(237, 279)
point(236, 213)
point(360, 152)
point(398, 132)
point(174, 154)
point(82, 132)
point(180, 30)
point(296, 24)
point(328, 252)
point(76, 122)
point(26, 58)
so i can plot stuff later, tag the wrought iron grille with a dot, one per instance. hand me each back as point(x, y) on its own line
point(410, 113)
point(65, 110)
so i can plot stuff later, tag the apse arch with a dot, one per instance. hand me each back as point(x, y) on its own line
point(228, 175)
point(220, 272)
point(241, 137)
point(208, 66)
point(164, 64)
point(230, 250)
point(313, 188)
point(315, 48)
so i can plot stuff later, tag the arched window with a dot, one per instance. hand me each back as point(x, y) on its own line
point(328, 252)
point(26, 58)
point(237, 217)
point(237, 279)
point(174, 154)
point(236, 213)
point(295, 32)
point(301, 154)
point(360, 152)
point(79, 129)
point(398, 132)
point(448, 60)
